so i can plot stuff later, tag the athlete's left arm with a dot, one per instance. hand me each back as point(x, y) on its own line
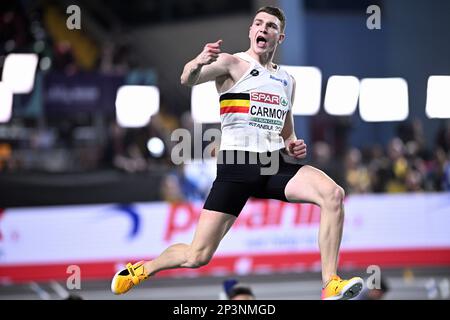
point(294, 147)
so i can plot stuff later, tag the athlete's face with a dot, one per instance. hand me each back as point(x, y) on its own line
point(265, 33)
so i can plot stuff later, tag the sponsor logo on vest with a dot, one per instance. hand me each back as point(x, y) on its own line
point(284, 102)
point(283, 81)
point(265, 97)
point(254, 73)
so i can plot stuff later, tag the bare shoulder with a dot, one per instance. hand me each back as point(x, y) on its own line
point(229, 59)
point(236, 68)
point(234, 65)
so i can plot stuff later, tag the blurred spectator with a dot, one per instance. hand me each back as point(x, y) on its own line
point(446, 177)
point(323, 158)
point(399, 166)
point(199, 174)
point(14, 26)
point(234, 290)
point(132, 160)
point(357, 175)
point(124, 149)
point(114, 59)
point(412, 131)
point(241, 292)
point(443, 137)
point(414, 181)
point(64, 58)
point(442, 170)
point(115, 144)
point(379, 168)
point(171, 190)
point(5, 155)
point(177, 186)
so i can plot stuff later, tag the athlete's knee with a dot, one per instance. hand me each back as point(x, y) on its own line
point(290, 192)
point(198, 258)
point(333, 196)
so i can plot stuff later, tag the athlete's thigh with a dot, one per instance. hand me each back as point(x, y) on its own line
point(309, 184)
point(211, 228)
point(273, 186)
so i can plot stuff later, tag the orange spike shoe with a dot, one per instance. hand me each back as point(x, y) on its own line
point(127, 278)
point(338, 289)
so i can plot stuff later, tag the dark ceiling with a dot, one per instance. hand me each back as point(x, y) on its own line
point(135, 13)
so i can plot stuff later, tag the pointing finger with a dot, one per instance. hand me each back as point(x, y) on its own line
point(215, 44)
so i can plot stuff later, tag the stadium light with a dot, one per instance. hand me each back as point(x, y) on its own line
point(308, 89)
point(155, 146)
point(383, 99)
point(135, 105)
point(205, 106)
point(438, 97)
point(6, 103)
point(341, 96)
point(19, 71)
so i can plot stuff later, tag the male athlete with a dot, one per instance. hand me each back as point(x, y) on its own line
point(256, 97)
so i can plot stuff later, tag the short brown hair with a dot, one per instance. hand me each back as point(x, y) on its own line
point(274, 11)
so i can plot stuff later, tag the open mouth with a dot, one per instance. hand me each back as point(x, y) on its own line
point(261, 41)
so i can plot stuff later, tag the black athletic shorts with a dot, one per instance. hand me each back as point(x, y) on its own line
point(243, 174)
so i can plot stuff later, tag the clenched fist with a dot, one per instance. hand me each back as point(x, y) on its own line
point(210, 53)
point(296, 148)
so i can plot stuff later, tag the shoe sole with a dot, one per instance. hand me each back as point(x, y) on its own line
point(350, 291)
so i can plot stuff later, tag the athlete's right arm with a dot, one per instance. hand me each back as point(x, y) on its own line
point(207, 66)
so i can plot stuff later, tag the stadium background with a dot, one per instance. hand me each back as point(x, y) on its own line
point(77, 188)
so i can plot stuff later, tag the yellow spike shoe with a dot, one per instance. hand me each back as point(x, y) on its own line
point(127, 278)
point(338, 289)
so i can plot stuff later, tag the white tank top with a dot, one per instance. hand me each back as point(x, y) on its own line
point(253, 111)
